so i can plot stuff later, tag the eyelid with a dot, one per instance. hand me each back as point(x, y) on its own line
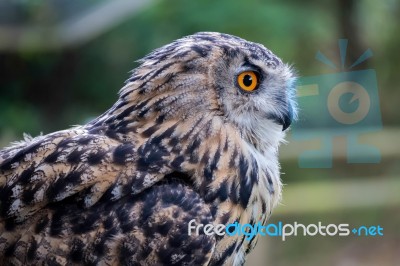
point(251, 67)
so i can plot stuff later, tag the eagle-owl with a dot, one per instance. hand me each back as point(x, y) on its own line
point(194, 134)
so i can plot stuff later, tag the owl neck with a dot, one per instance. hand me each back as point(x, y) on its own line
point(239, 182)
point(226, 170)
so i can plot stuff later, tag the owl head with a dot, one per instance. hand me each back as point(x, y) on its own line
point(219, 76)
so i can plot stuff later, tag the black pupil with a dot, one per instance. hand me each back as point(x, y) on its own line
point(247, 80)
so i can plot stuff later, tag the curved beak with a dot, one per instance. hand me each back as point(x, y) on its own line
point(284, 119)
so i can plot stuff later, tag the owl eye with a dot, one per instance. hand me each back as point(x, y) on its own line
point(248, 80)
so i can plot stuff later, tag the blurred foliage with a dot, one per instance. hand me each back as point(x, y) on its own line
point(50, 90)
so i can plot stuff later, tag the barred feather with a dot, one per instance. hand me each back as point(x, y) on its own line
point(182, 142)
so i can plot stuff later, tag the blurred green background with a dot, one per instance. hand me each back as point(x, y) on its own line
point(62, 63)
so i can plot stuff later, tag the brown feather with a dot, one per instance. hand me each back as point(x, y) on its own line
point(182, 142)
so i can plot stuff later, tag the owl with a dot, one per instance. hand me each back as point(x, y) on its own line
point(192, 140)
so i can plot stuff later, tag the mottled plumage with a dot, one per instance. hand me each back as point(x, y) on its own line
point(182, 142)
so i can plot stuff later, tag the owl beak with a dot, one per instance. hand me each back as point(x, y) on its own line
point(285, 119)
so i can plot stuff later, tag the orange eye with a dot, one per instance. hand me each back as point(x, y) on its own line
point(248, 80)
